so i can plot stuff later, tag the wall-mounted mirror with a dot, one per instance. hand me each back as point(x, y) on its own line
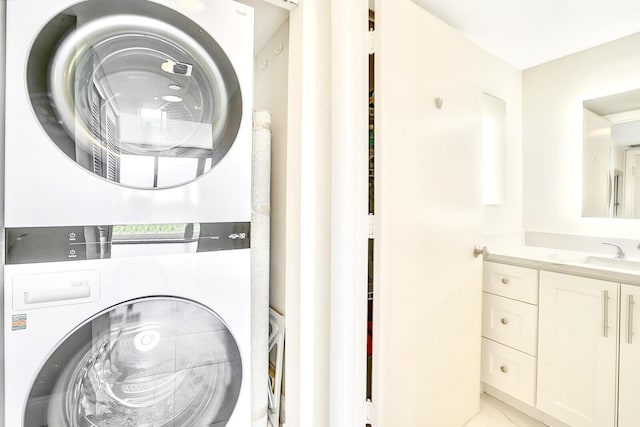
point(611, 156)
point(493, 149)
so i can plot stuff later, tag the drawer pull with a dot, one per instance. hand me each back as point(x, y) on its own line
point(504, 369)
point(605, 313)
point(504, 321)
point(505, 281)
point(630, 320)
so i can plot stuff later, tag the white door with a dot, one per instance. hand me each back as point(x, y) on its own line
point(428, 218)
point(629, 374)
point(577, 349)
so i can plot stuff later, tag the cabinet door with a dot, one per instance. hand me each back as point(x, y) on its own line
point(577, 349)
point(629, 378)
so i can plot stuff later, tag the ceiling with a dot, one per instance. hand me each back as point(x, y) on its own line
point(526, 33)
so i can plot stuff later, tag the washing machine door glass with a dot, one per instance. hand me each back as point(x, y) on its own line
point(148, 362)
point(136, 100)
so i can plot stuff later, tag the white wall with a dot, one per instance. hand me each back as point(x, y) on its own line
point(271, 80)
point(552, 135)
point(505, 82)
point(271, 87)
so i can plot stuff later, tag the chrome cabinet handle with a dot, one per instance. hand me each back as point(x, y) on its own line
point(477, 251)
point(605, 314)
point(630, 303)
point(504, 321)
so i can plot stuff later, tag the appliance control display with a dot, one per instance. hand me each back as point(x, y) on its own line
point(71, 243)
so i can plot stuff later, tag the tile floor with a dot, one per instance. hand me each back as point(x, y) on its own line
point(494, 413)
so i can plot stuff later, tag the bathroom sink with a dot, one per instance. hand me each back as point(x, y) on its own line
point(625, 264)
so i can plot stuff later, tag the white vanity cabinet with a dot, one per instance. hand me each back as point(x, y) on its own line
point(510, 330)
point(566, 346)
point(629, 368)
point(577, 350)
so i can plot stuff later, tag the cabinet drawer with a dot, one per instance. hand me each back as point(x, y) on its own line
point(510, 281)
point(509, 370)
point(510, 322)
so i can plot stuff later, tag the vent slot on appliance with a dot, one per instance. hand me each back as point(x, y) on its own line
point(96, 150)
point(113, 150)
point(105, 144)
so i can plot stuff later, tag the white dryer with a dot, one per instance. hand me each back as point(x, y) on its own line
point(128, 111)
point(154, 340)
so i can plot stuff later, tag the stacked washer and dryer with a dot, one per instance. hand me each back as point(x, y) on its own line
point(127, 213)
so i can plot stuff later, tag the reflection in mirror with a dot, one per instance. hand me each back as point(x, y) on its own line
point(611, 150)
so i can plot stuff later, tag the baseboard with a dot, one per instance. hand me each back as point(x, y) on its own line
point(534, 413)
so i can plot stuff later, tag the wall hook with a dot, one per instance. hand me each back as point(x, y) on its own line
point(264, 64)
point(438, 103)
point(278, 50)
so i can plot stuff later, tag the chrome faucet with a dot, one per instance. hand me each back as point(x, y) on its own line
point(619, 252)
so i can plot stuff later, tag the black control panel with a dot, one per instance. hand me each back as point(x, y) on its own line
point(49, 244)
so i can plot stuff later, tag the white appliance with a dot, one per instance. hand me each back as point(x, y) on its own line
point(128, 112)
point(156, 340)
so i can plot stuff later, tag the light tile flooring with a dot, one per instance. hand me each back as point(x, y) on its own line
point(494, 413)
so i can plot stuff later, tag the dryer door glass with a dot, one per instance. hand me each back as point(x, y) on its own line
point(148, 362)
point(135, 100)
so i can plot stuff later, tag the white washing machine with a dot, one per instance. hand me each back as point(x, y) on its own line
point(128, 112)
point(158, 334)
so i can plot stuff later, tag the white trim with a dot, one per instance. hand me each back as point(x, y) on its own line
point(292, 224)
point(327, 223)
point(349, 219)
point(308, 220)
point(310, 347)
point(285, 4)
point(3, 40)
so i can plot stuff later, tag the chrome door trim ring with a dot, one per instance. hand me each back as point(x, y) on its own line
point(80, 41)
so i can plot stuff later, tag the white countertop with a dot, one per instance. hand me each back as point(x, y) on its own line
point(562, 261)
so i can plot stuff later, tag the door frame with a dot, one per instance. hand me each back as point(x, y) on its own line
point(327, 214)
point(349, 216)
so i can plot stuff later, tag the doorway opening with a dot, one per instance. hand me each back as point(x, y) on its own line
point(371, 170)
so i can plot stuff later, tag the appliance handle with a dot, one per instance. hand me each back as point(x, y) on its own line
point(56, 295)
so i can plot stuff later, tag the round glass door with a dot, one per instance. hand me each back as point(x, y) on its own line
point(141, 101)
point(154, 362)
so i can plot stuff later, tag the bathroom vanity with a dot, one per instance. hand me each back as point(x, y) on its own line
point(558, 337)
